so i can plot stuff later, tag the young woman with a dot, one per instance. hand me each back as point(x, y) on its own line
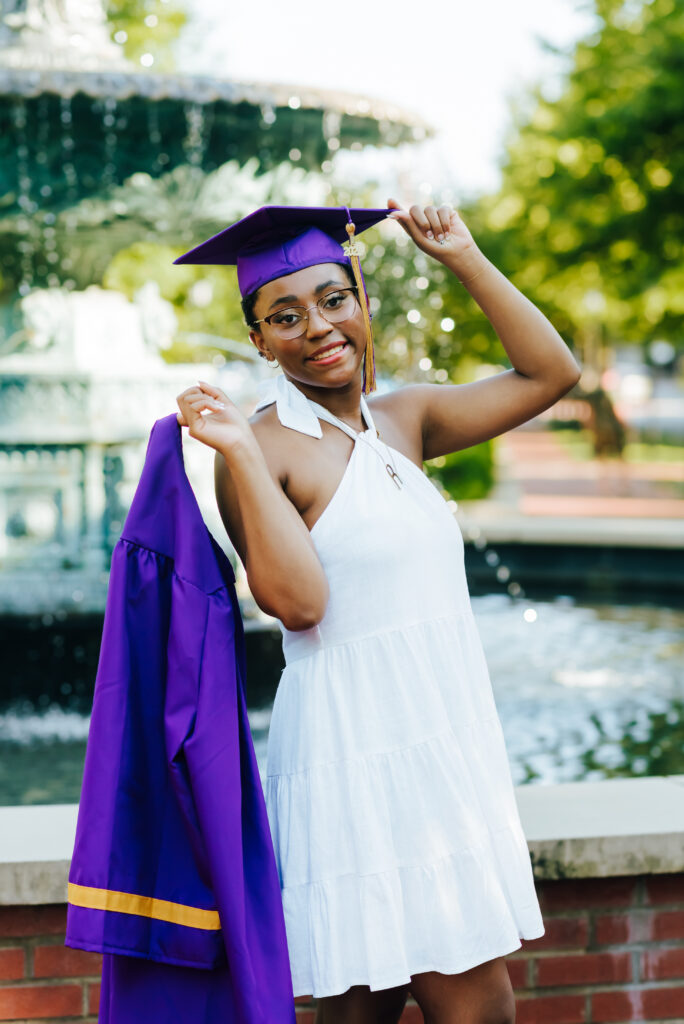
point(402, 860)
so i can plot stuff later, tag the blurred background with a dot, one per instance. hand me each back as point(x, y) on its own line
point(132, 130)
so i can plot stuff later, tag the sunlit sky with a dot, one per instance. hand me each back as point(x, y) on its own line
point(458, 64)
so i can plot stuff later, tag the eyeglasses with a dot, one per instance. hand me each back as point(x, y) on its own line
point(293, 321)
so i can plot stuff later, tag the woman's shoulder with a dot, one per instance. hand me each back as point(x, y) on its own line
point(403, 404)
point(283, 448)
point(264, 418)
point(265, 424)
point(398, 415)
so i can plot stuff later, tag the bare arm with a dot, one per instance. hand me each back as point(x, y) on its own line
point(283, 570)
point(456, 416)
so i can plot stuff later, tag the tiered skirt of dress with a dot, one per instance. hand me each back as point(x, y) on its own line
point(392, 810)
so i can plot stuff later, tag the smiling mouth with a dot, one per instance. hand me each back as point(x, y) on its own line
point(329, 353)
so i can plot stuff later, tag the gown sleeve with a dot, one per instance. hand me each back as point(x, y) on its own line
point(139, 880)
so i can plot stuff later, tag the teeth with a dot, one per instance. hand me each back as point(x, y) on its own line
point(329, 352)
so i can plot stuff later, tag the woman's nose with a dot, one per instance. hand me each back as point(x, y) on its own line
point(317, 323)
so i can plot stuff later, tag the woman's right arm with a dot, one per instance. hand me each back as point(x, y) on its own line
point(283, 570)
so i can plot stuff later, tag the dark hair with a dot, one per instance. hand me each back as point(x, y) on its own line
point(249, 301)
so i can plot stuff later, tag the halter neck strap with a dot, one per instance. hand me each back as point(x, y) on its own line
point(300, 413)
point(325, 414)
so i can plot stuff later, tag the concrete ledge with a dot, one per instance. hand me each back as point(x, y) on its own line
point(500, 523)
point(610, 827)
point(36, 844)
point(573, 830)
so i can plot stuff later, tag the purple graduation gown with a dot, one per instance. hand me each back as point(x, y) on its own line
point(173, 876)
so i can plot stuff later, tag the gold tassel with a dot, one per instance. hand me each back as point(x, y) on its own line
point(369, 361)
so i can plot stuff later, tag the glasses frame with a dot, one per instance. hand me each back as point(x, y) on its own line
point(348, 288)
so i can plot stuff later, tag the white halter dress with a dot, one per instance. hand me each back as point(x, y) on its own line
point(388, 789)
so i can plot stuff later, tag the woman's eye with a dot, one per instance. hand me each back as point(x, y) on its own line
point(288, 318)
point(334, 300)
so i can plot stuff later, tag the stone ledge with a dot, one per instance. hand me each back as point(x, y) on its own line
point(573, 830)
point(603, 828)
point(498, 523)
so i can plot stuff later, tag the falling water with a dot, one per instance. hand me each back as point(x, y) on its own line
point(107, 108)
point(27, 246)
point(67, 139)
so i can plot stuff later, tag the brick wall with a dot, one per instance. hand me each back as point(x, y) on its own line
point(613, 953)
point(40, 978)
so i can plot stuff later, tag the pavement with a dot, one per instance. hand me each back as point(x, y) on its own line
point(544, 492)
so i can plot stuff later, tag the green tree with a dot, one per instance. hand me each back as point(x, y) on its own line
point(147, 27)
point(416, 335)
point(589, 219)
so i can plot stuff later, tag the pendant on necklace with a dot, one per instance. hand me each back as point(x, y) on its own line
point(394, 475)
point(390, 469)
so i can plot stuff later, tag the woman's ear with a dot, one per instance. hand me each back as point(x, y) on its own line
point(256, 339)
point(265, 353)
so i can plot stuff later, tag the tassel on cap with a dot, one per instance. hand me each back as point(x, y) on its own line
point(368, 384)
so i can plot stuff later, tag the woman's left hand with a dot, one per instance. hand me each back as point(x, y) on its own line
point(439, 232)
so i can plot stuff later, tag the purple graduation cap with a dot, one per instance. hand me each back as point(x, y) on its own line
point(278, 240)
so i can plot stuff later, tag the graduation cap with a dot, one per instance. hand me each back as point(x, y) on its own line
point(278, 240)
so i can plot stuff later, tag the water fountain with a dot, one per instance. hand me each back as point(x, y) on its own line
point(96, 154)
point(76, 119)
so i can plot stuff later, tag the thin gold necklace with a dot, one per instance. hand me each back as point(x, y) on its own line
point(389, 466)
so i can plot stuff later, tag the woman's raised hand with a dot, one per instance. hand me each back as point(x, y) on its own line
point(213, 419)
point(440, 232)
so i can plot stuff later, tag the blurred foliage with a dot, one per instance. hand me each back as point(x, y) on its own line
point(467, 474)
point(589, 219)
point(413, 326)
point(176, 210)
point(174, 213)
point(661, 452)
point(579, 444)
point(205, 299)
point(147, 27)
